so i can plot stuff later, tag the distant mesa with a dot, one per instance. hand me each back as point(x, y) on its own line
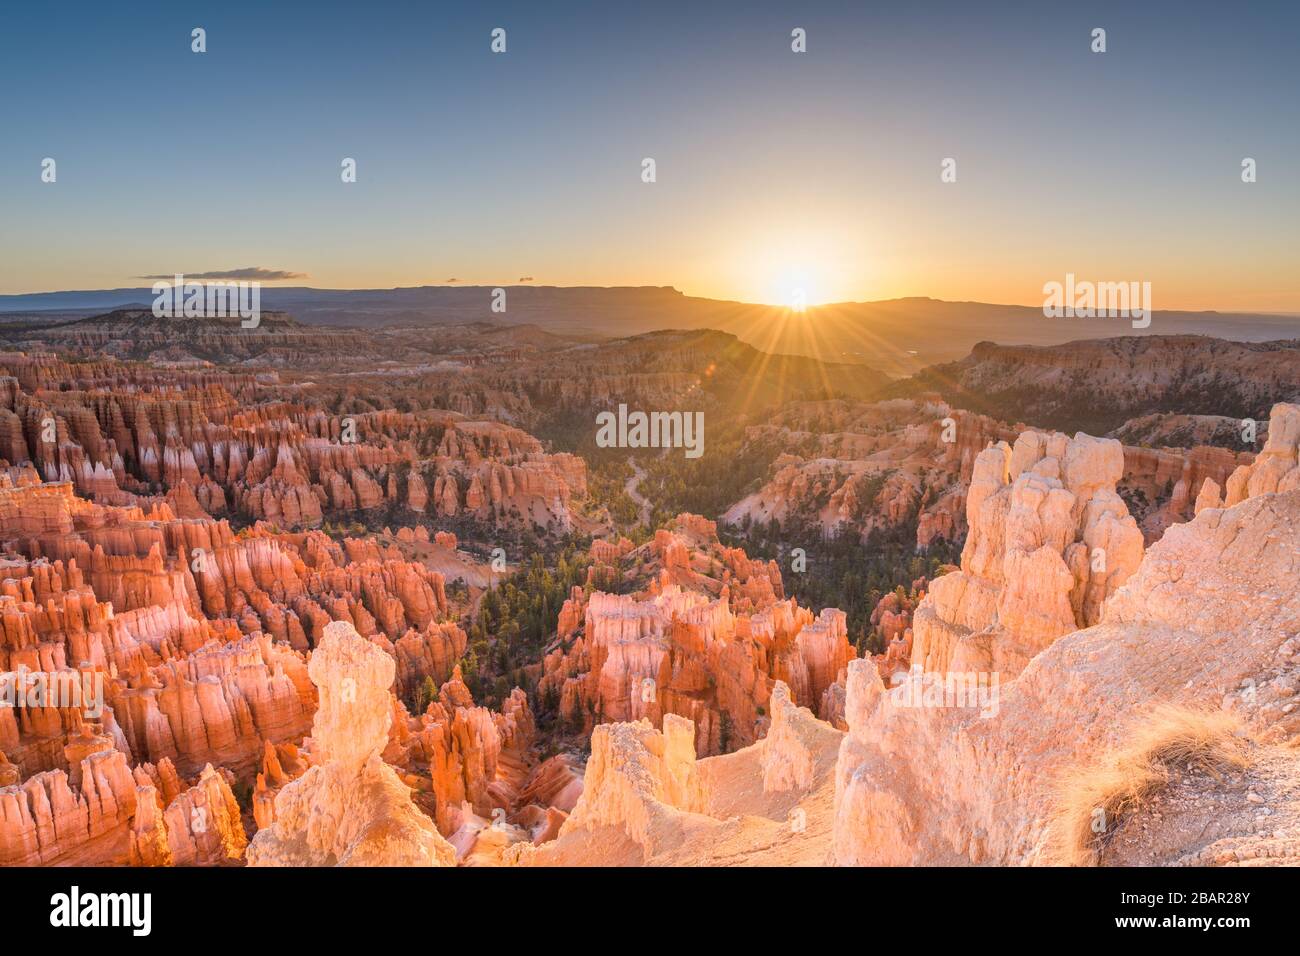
point(248, 273)
point(898, 336)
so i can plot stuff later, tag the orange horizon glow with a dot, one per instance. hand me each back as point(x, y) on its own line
point(780, 290)
point(800, 263)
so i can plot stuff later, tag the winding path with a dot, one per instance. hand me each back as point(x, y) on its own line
point(638, 499)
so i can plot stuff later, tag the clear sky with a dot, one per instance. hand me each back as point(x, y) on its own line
point(774, 168)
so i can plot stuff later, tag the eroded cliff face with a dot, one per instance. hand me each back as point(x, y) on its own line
point(350, 808)
point(706, 637)
point(870, 467)
point(474, 762)
point(199, 826)
point(199, 634)
point(120, 572)
point(878, 468)
point(190, 642)
point(647, 799)
point(715, 706)
point(105, 813)
point(1208, 621)
point(892, 617)
point(1275, 471)
point(1062, 385)
point(1161, 485)
point(1049, 541)
point(212, 444)
point(1173, 430)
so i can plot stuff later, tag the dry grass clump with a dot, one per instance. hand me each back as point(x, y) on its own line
point(1122, 781)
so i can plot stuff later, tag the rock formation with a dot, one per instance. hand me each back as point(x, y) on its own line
point(202, 544)
point(200, 826)
point(1172, 430)
point(473, 760)
point(46, 821)
point(869, 468)
point(1161, 486)
point(1276, 470)
point(1098, 385)
point(647, 799)
point(188, 438)
point(1208, 620)
point(1049, 541)
point(706, 638)
point(350, 808)
point(111, 815)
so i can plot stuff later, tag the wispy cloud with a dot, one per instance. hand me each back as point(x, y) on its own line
point(256, 273)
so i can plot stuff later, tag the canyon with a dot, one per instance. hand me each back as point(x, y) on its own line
point(1098, 385)
point(351, 611)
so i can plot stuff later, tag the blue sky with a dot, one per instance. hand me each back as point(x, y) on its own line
point(823, 165)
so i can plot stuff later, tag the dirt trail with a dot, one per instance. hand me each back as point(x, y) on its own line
point(638, 499)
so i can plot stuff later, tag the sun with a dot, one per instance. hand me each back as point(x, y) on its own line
point(796, 287)
point(793, 285)
point(796, 269)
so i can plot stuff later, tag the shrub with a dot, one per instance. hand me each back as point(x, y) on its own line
point(1123, 780)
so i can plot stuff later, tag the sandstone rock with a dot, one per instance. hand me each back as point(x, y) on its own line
point(647, 800)
point(1275, 470)
point(199, 827)
point(1050, 540)
point(706, 639)
point(283, 463)
point(1134, 373)
point(44, 821)
point(875, 466)
point(350, 809)
point(636, 777)
point(1212, 605)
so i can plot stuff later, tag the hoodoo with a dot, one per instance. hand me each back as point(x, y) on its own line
point(350, 808)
